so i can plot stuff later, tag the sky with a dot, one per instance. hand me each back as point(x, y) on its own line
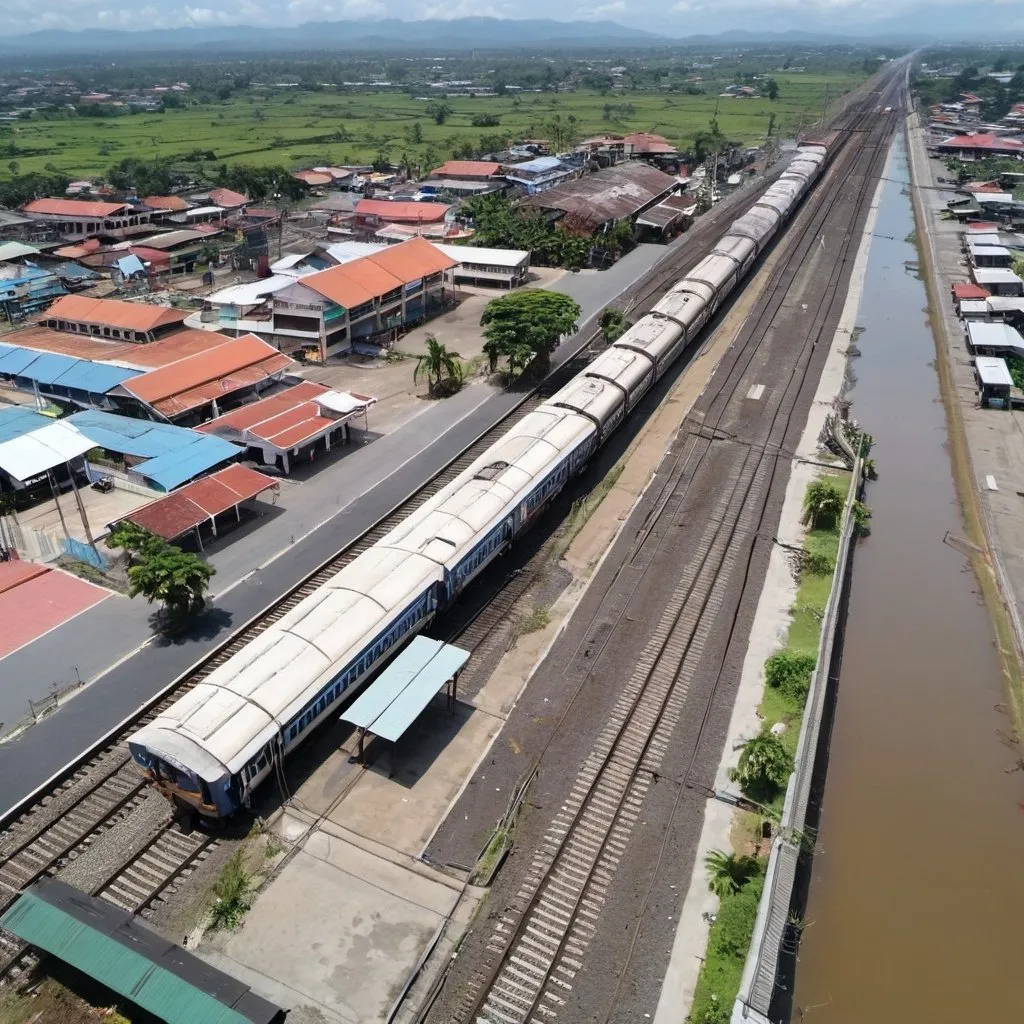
point(670, 17)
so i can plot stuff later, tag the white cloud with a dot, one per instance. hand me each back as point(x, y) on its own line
point(449, 10)
point(604, 12)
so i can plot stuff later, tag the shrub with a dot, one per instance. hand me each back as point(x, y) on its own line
point(233, 892)
point(764, 767)
point(789, 672)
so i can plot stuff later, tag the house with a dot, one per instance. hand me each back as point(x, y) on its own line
point(364, 299)
point(998, 281)
point(18, 227)
point(25, 288)
point(977, 145)
point(372, 214)
point(505, 267)
point(538, 175)
point(113, 318)
point(77, 218)
point(599, 201)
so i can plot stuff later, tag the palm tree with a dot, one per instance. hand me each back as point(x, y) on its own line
point(727, 872)
point(436, 364)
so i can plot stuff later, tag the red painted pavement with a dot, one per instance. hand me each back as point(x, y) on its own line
point(39, 602)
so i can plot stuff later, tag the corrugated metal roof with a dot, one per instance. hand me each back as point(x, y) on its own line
point(993, 370)
point(611, 194)
point(466, 169)
point(199, 501)
point(54, 369)
point(16, 420)
point(173, 204)
point(227, 198)
point(12, 250)
point(393, 701)
point(413, 213)
point(174, 468)
point(73, 208)
point(119, 951)
point(31, 454)
point(133, 316)
point(236, 363)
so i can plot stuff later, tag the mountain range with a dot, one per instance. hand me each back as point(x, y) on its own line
point(958, 21)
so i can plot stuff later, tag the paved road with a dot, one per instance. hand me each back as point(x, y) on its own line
point(378, 476)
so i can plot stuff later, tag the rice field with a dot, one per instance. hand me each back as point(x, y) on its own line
point(308, 128)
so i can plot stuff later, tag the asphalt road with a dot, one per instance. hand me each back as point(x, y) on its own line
point(382, 475)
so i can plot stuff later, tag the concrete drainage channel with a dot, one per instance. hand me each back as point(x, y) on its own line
point(775, 941)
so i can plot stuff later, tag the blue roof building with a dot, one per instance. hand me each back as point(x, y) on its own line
point(544, 172)
point(16, 420)
point(26, 289)
point(164, 456)
point(80, 381)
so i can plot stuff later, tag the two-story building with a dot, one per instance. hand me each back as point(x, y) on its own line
point(540, 174)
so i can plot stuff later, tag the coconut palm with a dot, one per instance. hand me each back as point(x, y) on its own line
point(727, 872)
point(436, 364)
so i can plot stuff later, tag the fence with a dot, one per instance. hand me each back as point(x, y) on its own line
point(757, 984)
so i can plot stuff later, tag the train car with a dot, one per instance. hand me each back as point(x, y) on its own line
point(741, 250)
point(211, 748)
point(717, 272)
point(660, 336)
point(630, 371)
point(600, 401)
point(757, 225)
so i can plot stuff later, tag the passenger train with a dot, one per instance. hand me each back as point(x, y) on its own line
point(211, 748)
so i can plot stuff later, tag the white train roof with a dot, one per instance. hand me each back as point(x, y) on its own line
point(738, 247)
point(649, 332)
point(235, 710)
point(623, 366)
point(713, 270)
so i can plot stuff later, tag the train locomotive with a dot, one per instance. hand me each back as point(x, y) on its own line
point(209, 750)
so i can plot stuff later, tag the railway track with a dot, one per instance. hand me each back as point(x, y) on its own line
point(539, 944)
point(104, 790)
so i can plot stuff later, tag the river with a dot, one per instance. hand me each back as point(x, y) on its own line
point(916, 901)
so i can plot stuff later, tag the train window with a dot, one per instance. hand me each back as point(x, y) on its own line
point(292, 732)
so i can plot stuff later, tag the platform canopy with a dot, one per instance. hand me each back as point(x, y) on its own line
point(397, 697)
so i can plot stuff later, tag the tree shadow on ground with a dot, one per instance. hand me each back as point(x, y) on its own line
point(205, 625)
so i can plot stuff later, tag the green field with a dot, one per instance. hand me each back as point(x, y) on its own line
point(303, 129)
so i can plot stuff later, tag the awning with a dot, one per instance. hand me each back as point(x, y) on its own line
point(34, 453)
point(398, 696)
point(342, 402)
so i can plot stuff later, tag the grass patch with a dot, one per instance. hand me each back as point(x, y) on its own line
point(537, 619)
point(583, 509)
point(489, 858)
point(728, 942)
point(51, 1002)
point(233, 893)
point(785, 703)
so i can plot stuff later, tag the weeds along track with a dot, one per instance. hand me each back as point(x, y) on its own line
point(539, 943)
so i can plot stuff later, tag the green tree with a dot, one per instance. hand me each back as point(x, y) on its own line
point(416, 134)
point(728, 872)
point(532, 318)
point(823, 504)
point(174, 577)
point(771, 89)
point(134, 540)
point(437, 364)
point(440, 112)
point(764, 767)
point(613, 324)
point(789, 672)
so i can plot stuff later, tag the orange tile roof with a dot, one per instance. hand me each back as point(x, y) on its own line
point(195, 380)
point(312, 178)
point(467, 169)
point(248, 416)
point(73, 208)
point(132, 316)
point(172, 204)
point(227, 198)
point(416, 213)
point(180, 345)
point(369, 277)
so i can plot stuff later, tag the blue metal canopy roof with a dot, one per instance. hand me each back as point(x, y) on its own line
point(396, 698)
point(51, 368)
point(174, 468)
point(16, 420)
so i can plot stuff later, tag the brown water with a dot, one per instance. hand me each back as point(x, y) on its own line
point(916, 907)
